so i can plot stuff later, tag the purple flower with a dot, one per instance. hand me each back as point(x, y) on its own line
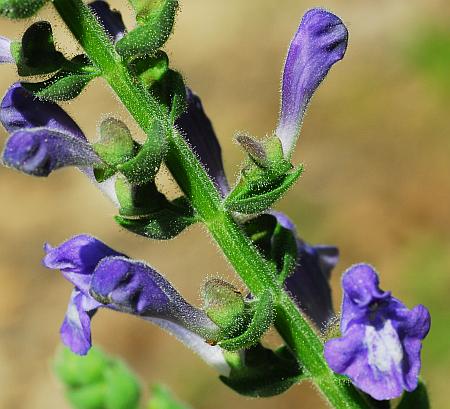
point(39, 151)
point(111, 20)
point(198, 132)
point(43, 138)
point(381, 339)
point(320, 41)
point(309, 284)
point(5, 51)
point(103, 277)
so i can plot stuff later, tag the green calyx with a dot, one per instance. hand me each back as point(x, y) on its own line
point(114, 147)
point(265, 177)
point(143, 167)
point(170, 91)
point(150, 68)
point(16, 9)
point(225, 305)
point(262, 319)
point(277, 243)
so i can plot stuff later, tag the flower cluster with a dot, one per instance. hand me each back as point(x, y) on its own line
point(379, 349)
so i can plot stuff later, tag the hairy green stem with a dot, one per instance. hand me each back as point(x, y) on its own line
point(256, 273)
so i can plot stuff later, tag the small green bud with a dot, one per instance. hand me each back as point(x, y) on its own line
point(96, 381)
point(91, 396)
point(76, 371)
point(122, 388)
point(224, 304)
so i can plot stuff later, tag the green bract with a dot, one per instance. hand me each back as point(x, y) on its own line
point(155, 20)
point(163, 223)
point(67, 83)
point(261, 372)
point(417, 399)
point(20, 8)
point(36, 53)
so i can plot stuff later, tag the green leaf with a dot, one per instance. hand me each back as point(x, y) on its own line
point(36, 53)
point(122, 388)
point(417, 399)
point(145, 165)
point(20, 8)
point(262, 372)
point(155, 22)
point(163, 399)
point(163, 224)
point(257, 194)
point(261, 321)
point(67, 83)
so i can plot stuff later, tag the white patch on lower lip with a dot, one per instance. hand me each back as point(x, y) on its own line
point(383, 346)
point(73, 315)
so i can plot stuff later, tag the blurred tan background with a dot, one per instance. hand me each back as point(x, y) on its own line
point(376, 146)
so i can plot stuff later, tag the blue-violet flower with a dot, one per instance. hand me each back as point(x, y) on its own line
point(5, 51)
point(381, 339)
point(105, 278)
point(309, 284)
point(43, 138)
point(111, 20)
point(320, 41)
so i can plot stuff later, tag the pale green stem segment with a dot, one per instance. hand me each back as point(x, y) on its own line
point(256, 273)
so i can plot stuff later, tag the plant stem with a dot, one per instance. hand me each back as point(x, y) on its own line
point(256, 273)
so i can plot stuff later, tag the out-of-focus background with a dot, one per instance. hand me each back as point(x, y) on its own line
point(376, 145)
